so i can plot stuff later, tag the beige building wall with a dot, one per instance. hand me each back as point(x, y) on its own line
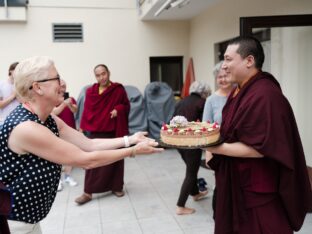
point(292, 59)
point(113, 34)
point(220, 22)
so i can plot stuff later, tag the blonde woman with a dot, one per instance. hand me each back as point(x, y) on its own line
point(35, 143)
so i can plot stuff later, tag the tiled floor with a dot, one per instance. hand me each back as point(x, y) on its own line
point(152, 185)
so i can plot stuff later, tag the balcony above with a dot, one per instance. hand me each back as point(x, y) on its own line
point(172, 9)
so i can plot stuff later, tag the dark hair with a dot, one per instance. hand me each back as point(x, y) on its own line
point(249, 46)
point(12, 67)
point(66, 95)
point(101, 65)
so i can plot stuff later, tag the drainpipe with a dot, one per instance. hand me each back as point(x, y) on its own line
point(6, 9)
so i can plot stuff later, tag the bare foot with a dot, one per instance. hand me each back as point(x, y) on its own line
point(200, 195)
point(184, 210)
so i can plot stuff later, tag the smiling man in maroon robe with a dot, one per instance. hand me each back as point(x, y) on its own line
point(261, 173)
point(105, 115)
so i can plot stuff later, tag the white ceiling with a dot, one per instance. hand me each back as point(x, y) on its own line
point(194, 8)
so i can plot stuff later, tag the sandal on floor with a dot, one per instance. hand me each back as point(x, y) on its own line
point(118, 193)
point(84, 198)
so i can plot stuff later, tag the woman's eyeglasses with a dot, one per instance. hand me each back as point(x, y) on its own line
point(45, 80)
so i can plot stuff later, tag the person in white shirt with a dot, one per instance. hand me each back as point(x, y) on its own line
point(8, 100)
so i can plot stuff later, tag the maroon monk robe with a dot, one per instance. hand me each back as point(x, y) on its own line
point(96, 119)
point(5, 209)
point(67, 115)
point(96, 115)
point(275, 187)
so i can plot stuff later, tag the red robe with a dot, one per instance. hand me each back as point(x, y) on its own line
point(275, 187)
point(96, 119)
point(68, 116)
point(97, 107)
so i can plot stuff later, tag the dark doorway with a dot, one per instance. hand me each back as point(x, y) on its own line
point(247, 24)
point(168, 70)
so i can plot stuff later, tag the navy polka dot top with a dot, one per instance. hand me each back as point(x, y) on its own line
point(31, 180)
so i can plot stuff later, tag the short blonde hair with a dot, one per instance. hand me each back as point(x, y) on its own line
point(28, 71)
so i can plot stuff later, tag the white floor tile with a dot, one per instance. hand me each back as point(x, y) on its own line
point(152, 186)
point(118, 227)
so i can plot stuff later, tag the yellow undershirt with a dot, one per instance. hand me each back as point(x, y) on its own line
point(238, 88)
point(103, 88)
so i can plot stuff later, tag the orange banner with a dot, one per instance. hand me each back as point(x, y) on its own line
point(189, 79)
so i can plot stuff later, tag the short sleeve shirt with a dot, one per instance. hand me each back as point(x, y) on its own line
point(213, 108)
point(31, 180)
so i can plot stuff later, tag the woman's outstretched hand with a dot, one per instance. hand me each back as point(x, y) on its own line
point(138, 137)
point(146, 147)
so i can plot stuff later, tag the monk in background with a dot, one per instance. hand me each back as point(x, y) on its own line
point(105, 115)
point(260, 169)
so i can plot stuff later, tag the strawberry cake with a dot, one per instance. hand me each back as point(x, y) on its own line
point(181, 133)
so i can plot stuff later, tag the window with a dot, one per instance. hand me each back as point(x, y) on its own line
point(168, 70)
point(14, 3)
